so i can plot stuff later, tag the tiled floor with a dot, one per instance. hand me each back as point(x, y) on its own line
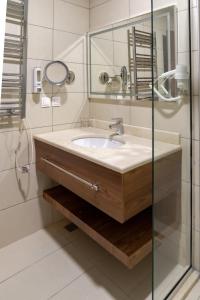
point(55, 264)
point(195, 292)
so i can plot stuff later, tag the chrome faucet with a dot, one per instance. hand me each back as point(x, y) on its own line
point(118, 125)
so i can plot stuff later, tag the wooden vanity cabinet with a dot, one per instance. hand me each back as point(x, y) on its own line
point(121, 196)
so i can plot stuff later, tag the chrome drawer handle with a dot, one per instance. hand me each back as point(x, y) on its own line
point(92, 186)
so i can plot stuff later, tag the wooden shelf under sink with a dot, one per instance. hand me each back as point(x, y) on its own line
point(129, 242)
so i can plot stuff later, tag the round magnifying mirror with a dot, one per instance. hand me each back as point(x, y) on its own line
point(56, 73)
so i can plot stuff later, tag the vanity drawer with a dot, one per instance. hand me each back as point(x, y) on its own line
point(97, 185)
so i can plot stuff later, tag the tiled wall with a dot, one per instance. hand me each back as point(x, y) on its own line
point(196, 136)
point(104, 12)
point(55, 31)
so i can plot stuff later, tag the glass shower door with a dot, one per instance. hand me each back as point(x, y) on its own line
point(171, 115)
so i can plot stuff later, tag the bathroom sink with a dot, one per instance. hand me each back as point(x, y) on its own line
point(97, 142)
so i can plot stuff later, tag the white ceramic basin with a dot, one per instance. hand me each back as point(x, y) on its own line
point(97, 143)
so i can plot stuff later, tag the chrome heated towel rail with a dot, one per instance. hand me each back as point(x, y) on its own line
point(13, 95)
point(142, 54)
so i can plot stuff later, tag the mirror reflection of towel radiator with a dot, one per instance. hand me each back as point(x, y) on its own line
point(142, 60)
point(13, 94)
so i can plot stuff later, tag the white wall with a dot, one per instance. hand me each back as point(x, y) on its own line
point(2, 34)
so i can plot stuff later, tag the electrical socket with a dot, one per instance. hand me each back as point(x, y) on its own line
point(46, 102)
point(56, 101)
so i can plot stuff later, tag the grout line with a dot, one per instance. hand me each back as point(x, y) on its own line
point(42, 26)
point(24, 202)
point(58, 292)
point(36, 128)
point(116, 283)
point(36, 262)
point(101, 4)
point(74, 33)
point(17, 129)
point(78, 5)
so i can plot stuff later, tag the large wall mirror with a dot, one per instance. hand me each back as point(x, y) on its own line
point(120, 56)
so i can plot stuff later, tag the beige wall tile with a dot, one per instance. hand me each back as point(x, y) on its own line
point(35, 114)
point(74, 107)
point(24, 186)
point(80, 83)
point(120, 54)
point(104, 111)
point(66, 126)
point(94, 3)
point(139, 7)
point(23, 219)
point(109, 12)
point(69, 47)
point(102, 52)
point(172, 117)
point(71, 18)
point(141, 114)
point(183, 34)
point(84, 3)
point(38, 131)
point(39, 42)
point(16, 145)
point(101, 110)
point(40, 12)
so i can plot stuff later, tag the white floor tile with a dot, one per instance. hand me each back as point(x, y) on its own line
point(127, 280)
point(28, 250)
point(92, 250)
point(90, 286)
point(46, 277)
point(56, 264)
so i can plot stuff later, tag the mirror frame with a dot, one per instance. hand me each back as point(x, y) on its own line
point(171, 9)
point(58, 83)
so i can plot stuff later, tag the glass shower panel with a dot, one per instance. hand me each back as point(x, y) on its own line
point(171, 146)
